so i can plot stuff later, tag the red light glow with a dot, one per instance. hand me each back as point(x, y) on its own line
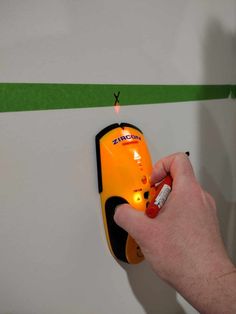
point(117, 108)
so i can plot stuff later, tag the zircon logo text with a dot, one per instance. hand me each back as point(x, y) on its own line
point(126, 137)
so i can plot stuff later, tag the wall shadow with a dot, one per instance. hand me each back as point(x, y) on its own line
point(217, 130)
point(153, 294)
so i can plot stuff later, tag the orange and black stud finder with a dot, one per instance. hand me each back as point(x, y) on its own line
point(124, 166)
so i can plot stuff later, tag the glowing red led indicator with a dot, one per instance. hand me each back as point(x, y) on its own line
point(144, 180)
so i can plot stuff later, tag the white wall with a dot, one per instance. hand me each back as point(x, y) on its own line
point(134, 41)
point(54, 256)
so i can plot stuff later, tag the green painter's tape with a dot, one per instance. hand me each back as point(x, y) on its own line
point(233, 91)
point(34, 96)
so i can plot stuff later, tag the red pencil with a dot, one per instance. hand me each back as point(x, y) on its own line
point(162, 192)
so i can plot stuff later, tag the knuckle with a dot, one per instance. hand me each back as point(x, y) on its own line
point(181, 156)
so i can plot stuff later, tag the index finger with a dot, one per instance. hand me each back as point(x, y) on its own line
point(176, 165)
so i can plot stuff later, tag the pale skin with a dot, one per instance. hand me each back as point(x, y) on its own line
point(183, 243)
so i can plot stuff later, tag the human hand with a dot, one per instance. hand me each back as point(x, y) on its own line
point(183, 243)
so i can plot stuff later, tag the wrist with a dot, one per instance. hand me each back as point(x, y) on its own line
point(213, 290)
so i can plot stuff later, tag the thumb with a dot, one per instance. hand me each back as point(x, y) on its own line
point(133, 221)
